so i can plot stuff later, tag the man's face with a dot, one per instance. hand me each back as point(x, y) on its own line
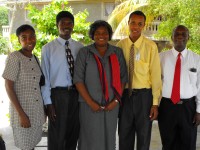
point(180, 37)
point(65, 28)
point(136, 24)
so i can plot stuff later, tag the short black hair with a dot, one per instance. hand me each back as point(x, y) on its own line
point(23, 28)
point(139, 13)
point(180, 26)
point(64, 14)
point(97, 24)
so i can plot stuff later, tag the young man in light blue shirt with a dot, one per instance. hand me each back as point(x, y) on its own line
point(59, 93)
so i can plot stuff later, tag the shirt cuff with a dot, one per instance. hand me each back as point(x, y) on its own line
point(155, 102)
point(198, 109)
point(47, 101)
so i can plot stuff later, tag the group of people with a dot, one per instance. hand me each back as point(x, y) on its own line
point(90, 90)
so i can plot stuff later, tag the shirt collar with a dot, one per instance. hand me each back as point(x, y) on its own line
point(137, 43)
point(62, 41)
point(183, 53)
point(108, 52)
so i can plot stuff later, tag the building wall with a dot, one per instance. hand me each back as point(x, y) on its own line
point(96, 10)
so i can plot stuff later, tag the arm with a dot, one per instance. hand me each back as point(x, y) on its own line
point(196, 119)
point(113, 103)
point(24, 120)
point(155, 74)
point(79, 80)
point(123, 78)
point(85, 95)
point(45, 65)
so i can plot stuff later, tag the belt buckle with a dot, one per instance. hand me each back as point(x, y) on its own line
point(180, 102)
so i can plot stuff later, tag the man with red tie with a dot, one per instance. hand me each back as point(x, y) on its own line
point(179, 110)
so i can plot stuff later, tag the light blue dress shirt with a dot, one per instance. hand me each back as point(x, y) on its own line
point(55, 66)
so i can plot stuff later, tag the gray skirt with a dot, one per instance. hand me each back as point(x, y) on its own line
point(97, 130)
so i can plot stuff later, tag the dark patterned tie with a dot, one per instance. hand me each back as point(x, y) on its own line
point(70, 58)
point(131, 69)
point(175, 97)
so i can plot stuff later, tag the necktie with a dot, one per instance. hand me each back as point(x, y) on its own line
point(70, 58)
point(131, 69)
point(175, 97)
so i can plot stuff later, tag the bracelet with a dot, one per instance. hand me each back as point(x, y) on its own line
point(116, 101)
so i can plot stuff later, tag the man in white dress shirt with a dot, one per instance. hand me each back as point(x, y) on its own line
point(178, 121)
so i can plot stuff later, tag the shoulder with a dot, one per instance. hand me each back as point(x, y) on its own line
point(165, 54)
point(122, 41)
point(14, 55)
point(84, 50)
point(116, 49)
point(149, 42)
point(77, 43)
point(194, 55)
point(50, 44)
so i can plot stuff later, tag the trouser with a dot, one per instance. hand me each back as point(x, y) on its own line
point(176, 125)
point(64, 132)
point(134, 120)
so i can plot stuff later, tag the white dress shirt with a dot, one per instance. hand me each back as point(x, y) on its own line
point(190, 74)
point(55, 66)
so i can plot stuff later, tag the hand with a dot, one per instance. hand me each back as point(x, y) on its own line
point(196, 119)
point(24, 121)
point(111, 105)
point(51, 113)
point(153, 112)
point(95, 107)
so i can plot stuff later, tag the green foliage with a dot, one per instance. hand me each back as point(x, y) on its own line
point(3, 17)
point(15, 43)
point(3, 45)
point(45, 23)
point(175, 12)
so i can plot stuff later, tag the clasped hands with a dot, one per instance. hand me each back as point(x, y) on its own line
point(98, 108)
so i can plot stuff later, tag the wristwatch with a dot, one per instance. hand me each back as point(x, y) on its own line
point(116, 100)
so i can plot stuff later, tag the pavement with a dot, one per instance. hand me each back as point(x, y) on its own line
point(155, 139)
point(6, 130)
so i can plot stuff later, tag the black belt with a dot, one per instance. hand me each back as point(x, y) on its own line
point(68, 88)
point(182, 101)
point(139, 90)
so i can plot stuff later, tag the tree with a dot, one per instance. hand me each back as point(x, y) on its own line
point(3, 45)
point(3, 21)
point(3, 17)
point(173, 13)
point(45, 23)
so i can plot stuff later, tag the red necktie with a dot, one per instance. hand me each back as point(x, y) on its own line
point(175, 97)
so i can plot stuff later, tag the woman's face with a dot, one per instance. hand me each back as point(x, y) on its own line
point(101, 36)
point(27, 39)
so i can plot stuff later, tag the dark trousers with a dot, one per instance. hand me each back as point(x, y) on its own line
point(176, 125)
point(135, 121)
point(64, 132)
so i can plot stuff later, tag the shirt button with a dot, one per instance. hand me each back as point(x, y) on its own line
point(37, 100)
point(35, 88)
point(33, 77)
point(30, 59)
point(32, 68)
